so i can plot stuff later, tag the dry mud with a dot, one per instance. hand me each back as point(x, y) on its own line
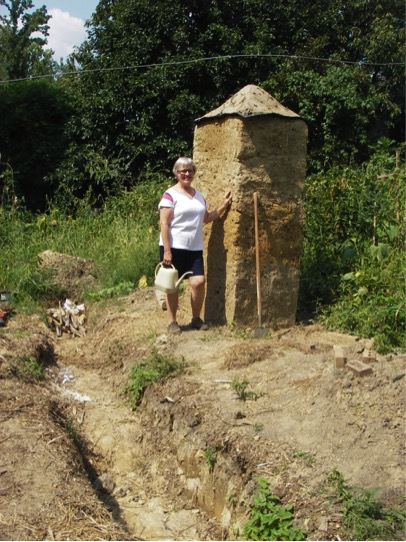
point(78, 464)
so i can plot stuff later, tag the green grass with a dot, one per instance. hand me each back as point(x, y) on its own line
point(258, 427)
point(306, 456)
point(121, 236)
point(28, 369)
point(153, 368)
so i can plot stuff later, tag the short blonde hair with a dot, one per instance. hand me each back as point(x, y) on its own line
point(181, 162)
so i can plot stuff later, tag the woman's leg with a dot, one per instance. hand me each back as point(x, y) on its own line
point(197, 284)
point(172, 305)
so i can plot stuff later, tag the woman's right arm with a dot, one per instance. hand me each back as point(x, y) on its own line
point(165, 217)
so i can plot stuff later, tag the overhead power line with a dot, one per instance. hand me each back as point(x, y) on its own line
point(203, 59)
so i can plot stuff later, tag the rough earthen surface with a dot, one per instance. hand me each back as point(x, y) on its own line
point(77, 463)
point(252, 145)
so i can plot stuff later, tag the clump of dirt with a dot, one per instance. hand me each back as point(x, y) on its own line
point(70, 275)
point(244, 355)
point(79, 463)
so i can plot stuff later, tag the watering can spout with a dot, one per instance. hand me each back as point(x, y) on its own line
point(166, 278)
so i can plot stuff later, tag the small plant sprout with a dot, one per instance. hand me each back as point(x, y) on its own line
point(232, 499)
point(258, 427)
point(210, 455)
point(71, 429)
point(240, 387)
point(306, 456)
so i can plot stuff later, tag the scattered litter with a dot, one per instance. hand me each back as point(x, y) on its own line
point(5, 296)
point(5, 306)
point(65, 376)
point(167, 400)
point(60, 376)
point(398, 377)
point(69, 318)
point(76, 396)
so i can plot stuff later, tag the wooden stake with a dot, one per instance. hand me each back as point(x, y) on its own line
point(259, 299)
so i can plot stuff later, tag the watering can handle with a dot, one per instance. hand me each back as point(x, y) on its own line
point(162, 265)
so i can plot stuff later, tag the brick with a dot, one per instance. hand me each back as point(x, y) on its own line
point(303, 347)
point(339, 357)
point(306, 348)
point(368, 356)
point(359, 368)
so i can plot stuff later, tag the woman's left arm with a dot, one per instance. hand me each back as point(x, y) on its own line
point(216, 214)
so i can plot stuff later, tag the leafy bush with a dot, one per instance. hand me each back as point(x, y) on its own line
point(270, 520)
point(372, 302)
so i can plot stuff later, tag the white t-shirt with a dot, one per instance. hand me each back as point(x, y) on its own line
point(186, 227)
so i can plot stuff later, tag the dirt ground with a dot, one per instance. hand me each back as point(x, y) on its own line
point(77, 463)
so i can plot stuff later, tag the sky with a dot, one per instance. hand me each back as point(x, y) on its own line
point(67, 25)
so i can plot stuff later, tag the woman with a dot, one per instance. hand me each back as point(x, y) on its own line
point(183, 211)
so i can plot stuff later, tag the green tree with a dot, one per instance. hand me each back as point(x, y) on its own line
point(32, 138)
point(141, 87)
point(33, 113)
point(350, 86)
point(149, 69)
point(22, 39)
point(345, 112)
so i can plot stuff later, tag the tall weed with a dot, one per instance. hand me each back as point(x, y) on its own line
point(372, 302)
point(352, 265)
point(365, 517)
point(120, 235)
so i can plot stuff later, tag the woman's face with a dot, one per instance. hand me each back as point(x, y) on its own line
point(184, 175)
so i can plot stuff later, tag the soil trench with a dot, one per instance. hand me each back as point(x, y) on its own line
point(185, 464)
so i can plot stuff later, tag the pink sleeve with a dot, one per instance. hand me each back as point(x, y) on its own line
point(166, 201)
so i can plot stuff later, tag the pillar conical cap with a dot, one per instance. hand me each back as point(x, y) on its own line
point(250, 101)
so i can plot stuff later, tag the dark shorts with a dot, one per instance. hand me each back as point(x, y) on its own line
point(186, 260)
